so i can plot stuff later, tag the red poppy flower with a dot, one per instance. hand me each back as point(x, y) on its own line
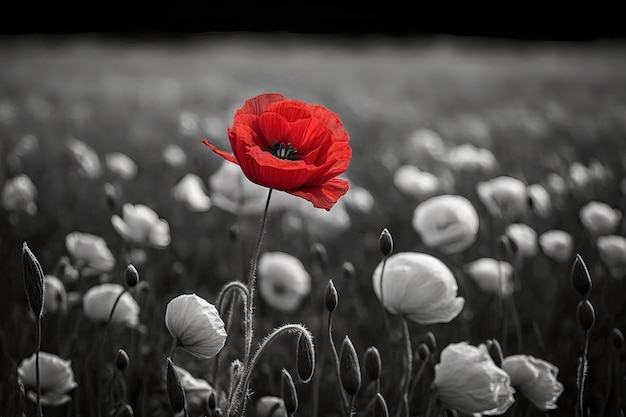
point(290, 145)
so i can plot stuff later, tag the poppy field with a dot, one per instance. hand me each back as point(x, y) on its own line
point(286, 226)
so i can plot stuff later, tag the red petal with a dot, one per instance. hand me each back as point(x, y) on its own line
point(225, 155)
point(265, 169)
point(331, 121)
point(274, 128)
point(324, 196)
point(291, 110)
point(257, 105)
point(309, 136)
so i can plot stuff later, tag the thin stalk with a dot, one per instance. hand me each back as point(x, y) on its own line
point(382, 299)
point(416, 378)
point(408, 369)
point(37, 348)
point(351, 406)
point(582, 373)
point(344, 399)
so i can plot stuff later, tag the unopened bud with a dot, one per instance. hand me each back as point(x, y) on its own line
point(372, 363)
point(586, 314)
point(617, 338)
point(330, 296)
point(380, 406)
point(175, 390)
point(33, 281)
point(385, 242)
point(110, 195)
point(320, 255)
point(581, 280)
point(348, 271)
point(305, 357)
point(131, 275)
point(290, 396)
point(495, 351)
point(121, 359)
point(233, 233)
point(125, 410)
point(212, 401)
point(349, 369)
point(423, 352)
point(431, 341)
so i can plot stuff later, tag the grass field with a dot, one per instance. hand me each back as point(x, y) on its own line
point(539, 107)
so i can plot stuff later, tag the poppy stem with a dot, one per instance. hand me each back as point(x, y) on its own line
point(382, 303)
point(251, 281)
point(344, 400)
point(582, 373)
point(408, 369)
point(37, 348)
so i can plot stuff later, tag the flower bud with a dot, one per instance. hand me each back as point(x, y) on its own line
point(380, 406)
point(348, 271)
point(175, 390)
point(581, 280)
point(495, 351)
point(320, 255)
point(330, 297)
point(423, 352)
point(617, 338)
point(234, 232)
point(372, 363)
point(385, 242)
point(289, 394)
point(212, 401)
point(349, 369)
point(586, 314)
point(110, 194)
point(121, 359)
point(131, 275)
point(33, 281)
point(125, 410)
point(305, 357)
point(431, 341)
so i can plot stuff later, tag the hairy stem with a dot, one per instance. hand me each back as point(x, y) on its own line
point(37, 348)
point(344, 399)
point(582, 373)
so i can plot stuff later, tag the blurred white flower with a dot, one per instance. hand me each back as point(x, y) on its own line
point(612, 251)
point(535, 379)
point(90, 253)
point(491, 276)
point(467, 157)
point(55, 298)
point(197, 391)
point(25, 146)
point(557, 244)
point(283, 280)
point(174, 156)
point(188, 123)
point(446, 222)
point(85, 157)
point(196, 325)
point(468, 381)
point(56, 378)
point(413, 182)
point(540, 200)
point(556, 184)
point(98, 302)
point(423, 143)
point(141, 225)
point(270, 406)
point(359, 198)
point(19, 194)
point(191, 192)
point(323, 224)
point(599, 218)
point(579, 176)
point(524, 237)
point(598, 172)
point(418, 286)
point(121, 165)
point(504, 197)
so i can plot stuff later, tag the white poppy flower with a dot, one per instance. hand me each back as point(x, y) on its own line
point(191, 192)
point(140, 224)
point(98, 302)
point(283, 280)
point(491, 276)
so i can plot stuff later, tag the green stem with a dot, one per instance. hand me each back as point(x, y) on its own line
point(344, 399)
point(37, 348)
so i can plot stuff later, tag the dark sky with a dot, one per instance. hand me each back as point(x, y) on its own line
point(541, 21)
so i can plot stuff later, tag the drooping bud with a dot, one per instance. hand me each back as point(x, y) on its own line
point(349, 369)
point(175, 390)
point(495, 351)
point(289, 394)
point(330, 296)
point(348, 271)
point(423, 352)
point(372, 363)
point(617, 338)
point(385, 242)
point(380, 406)
point(121, 359)
point(125, 410)
point(305, 357)
point(131, 275)
point(586, 314)
point(431, 341)
point(581, 280)
point(33, 281)
point(320, 255)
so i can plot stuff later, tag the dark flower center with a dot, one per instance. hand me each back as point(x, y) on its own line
point(282, 151)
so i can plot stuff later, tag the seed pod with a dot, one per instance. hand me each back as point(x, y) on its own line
point(305, 358)
point(348, 271)
point(423, 352)
point(581, 280)
point(330, 296)
point(125, 410)
point(175, 390)
point(495, 351)
point(385, 242)
point(372, 363)
point(380, 406)
point(131, 275)
point(431, 341)
point(349, 369)
point(586, 314)
point(617, 338)
point(33, 281)
point(121, 359)
point(289, 394)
